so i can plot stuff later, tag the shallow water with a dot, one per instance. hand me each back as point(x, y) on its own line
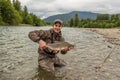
point(18, 56)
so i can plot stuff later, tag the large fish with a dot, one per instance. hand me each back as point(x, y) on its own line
point(60, 45)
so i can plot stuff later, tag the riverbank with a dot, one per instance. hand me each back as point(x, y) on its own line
point(111, 35)
point(24, 25)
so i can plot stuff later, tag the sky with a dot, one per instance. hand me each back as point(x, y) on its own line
point(46, 8)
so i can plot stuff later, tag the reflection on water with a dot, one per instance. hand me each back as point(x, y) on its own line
point(18, 56)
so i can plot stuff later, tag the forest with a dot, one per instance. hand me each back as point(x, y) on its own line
point(12, 13)
point(101, 21)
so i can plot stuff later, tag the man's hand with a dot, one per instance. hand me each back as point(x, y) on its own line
point(42, 44)
point(65, 49)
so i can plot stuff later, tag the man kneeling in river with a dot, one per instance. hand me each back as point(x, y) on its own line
point(48, 59)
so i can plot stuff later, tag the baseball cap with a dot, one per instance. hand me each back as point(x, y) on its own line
point(58, 21)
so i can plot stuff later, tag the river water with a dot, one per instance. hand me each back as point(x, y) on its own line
point(18, 56)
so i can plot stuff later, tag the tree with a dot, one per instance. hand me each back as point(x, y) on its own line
point(36, 20)
point(1, 22)
point(114, 17)
point(102, 17)
point(25, 13)
point(29, 19)
point(17, 5)
point(71, 22)
point(0, 14)
point(8, 13)
point(76, 20)
point(12, 14)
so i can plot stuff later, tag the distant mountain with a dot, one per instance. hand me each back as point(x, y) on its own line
point(66, 17)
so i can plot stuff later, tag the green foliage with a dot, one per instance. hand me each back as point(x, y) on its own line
point(102, 21)
point(25, 11)
point(66, 24)
point(102, 17)
point(71, 22)
point(1, 22)
point(28, 20)
point(114, 17)
point(17, 5)
point(16, 18)
point(12, 14)
point(37, 21)
point(118, 23)
point(25, 15)
point(8, 13)
point(76, 20)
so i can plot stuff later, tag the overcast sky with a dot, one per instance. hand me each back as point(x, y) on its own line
point(45, 8)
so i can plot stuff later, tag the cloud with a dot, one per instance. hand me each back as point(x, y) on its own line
point(45, 8)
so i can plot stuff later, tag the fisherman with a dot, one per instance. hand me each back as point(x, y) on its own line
point(48, 59)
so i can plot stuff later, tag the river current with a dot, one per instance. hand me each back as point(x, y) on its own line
point(18, 56)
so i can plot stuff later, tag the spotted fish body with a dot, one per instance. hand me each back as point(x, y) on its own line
point(59, 45)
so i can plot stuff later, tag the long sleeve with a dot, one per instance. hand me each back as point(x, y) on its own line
point(36, 35)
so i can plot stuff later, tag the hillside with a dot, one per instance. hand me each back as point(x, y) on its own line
point(66, 17)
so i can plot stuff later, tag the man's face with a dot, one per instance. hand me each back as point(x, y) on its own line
point(57, 27)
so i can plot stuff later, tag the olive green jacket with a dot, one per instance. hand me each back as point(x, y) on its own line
point(49, 36)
